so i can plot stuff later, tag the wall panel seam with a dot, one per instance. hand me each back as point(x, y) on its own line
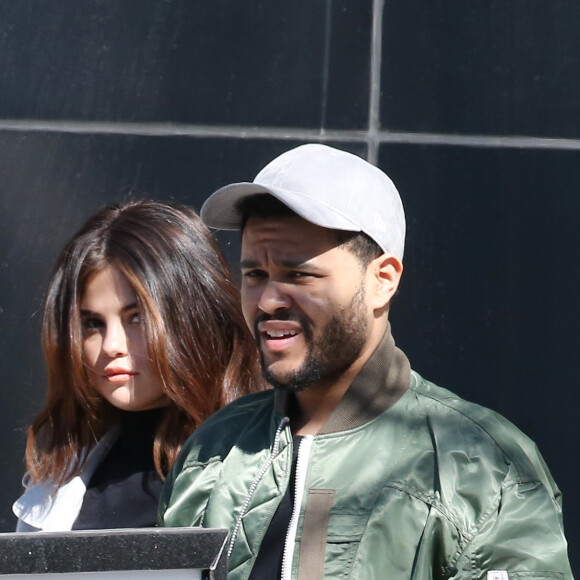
point(287, 133)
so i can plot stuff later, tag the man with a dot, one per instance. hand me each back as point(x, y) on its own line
point(353, 466)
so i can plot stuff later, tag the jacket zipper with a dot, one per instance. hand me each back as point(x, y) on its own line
point(300, 484)
point(252, 489)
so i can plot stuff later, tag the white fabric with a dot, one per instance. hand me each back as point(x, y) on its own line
point(43, 507)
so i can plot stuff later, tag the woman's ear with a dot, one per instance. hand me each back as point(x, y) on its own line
point(385, 274)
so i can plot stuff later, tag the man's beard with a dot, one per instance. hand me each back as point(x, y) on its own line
point(328, 357)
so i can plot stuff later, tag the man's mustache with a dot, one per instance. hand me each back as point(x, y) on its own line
point(281, 316)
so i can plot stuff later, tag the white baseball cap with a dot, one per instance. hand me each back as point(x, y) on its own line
point(325, 186)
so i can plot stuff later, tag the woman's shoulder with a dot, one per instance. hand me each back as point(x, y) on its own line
point(48, 507)
point(44, 506)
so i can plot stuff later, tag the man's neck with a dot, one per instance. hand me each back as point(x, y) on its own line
point(317, 402)
point(364, 394)
point(315, 405)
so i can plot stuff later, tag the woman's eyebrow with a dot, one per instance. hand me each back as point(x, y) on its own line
point(124, 309)
point(87, 313)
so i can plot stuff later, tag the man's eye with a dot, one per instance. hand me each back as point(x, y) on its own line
point(254, 274)
point(301, 275)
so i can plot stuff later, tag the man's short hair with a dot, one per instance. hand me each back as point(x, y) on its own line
point(263, 205)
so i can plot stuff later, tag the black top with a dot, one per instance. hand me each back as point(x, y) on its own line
point(268, 563)
point(124, 490)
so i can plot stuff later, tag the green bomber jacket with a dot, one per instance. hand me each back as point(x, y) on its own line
point(405, 481)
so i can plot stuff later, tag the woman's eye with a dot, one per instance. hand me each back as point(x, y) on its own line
point(92, 323)
point(135, 318)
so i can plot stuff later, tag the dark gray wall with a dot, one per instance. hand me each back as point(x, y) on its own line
point(472, 108)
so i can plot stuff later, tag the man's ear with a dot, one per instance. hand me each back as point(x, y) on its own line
point(385, 274)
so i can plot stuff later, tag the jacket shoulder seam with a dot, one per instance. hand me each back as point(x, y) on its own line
point(511, 458)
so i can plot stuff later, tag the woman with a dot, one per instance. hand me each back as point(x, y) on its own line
point(143, 338)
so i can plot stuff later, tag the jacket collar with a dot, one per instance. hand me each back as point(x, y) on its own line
point(380, 383)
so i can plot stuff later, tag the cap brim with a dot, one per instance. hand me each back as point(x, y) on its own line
point(220, 210)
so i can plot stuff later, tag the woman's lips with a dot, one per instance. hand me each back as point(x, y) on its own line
point(119, 375)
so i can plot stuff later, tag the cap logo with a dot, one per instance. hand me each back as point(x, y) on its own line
point(379, 223)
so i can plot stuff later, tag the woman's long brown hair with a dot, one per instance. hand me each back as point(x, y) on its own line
point(198, 341)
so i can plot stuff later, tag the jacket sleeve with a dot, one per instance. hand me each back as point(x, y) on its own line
point(520, 536)
point(186, 493)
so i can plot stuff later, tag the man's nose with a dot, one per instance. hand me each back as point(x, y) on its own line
point(273, 298)
point(115, 341)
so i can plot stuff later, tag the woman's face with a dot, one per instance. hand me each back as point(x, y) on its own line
point(114, 344)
